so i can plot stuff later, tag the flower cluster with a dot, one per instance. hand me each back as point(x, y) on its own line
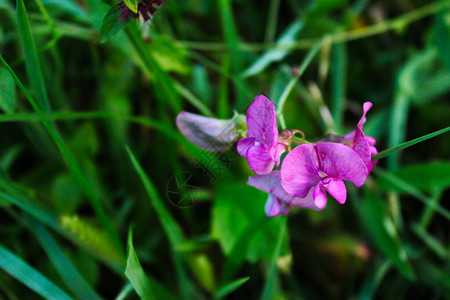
point(308, 171)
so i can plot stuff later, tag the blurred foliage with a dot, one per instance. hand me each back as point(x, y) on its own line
point(89, 149)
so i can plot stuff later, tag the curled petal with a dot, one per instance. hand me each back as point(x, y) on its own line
point(340, 161)
point(276, 153)
point(336, 188)
point(259, 159)
point(210, 134)
point(262, 122)
point(362, 147)
point(244, 144)
point(366, 107)
point(271, 184)
point(320, 198)
point(300, 171)
point(272, 207)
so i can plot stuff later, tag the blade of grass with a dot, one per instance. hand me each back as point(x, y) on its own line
point(19, 269)
point(135, 273)
point(430, 241)
point(32, 65)
point(272, 19)
point(83, 181)
point(411, 190)
point(338, 83)
point(62, 263)
point(170, 227)
point(301, 69)
point(269, 287)
point(371, 285)
point(230, 287)
point(402, 146)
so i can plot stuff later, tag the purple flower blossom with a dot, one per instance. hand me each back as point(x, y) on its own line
point(363, 145)
point(311, 170)
point(279, 201)
point(210, 134)
point(261, 146)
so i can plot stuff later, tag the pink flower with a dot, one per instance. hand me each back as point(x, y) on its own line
point(309, 171)
point(363, 145)
point(279, 201)
point(261, 146)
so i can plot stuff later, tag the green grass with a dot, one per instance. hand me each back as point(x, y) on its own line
point(90, 149)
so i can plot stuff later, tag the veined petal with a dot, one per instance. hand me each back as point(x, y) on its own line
point(340, 161)
point(262, 122)
point(210, 134)
point(300, 170)
point(362, 147)
point(243, 145)
point(259, 159)
point(320, 198)
point(336, 188)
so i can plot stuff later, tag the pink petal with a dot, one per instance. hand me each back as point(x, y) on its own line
point(320, 198)
point(300, 171)
point(307, 202)
point(259, 159)
point(336, 188)
point(262, 122)
point(207, 133)
point(271, 184)
point(366, 107)
point(276, 152)
point(362, 147)
point(243, 145)
point(340, 161)
point(272, 207)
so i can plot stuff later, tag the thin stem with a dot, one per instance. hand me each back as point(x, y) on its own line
point(340, 37)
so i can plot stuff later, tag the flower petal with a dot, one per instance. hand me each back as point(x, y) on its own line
point(262, 122)
point(336, 188)
point(210, 134)
point(300, 171)
point(276, 152)
point(243, 145)
point(259, 159)
point(271, 183)
point(272, 207)
point(320, 198)
point(340, 161)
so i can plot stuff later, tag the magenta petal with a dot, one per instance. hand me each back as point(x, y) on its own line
point(306, 202)
point(300, 171)
point(362, 147)
point(272, 207)
point(262, 122)
point(340, 161)
point(336, 188)
point(259, 159)
point(320, 198)
point(366, 107)
point(243, 145)
point(276, 153)
point(271, 184)
point(207, 133)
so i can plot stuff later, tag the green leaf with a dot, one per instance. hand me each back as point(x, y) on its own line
point(233, 217)
point(111, 24)
point(288, 36)
point(19, 269)
point(384, 233)
point(131, 4)
point(7, 91)
point(404, 145)
point(230, 287)
point(31, 59)
point(423, 176)
point(61, 262)
point(135, 273)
